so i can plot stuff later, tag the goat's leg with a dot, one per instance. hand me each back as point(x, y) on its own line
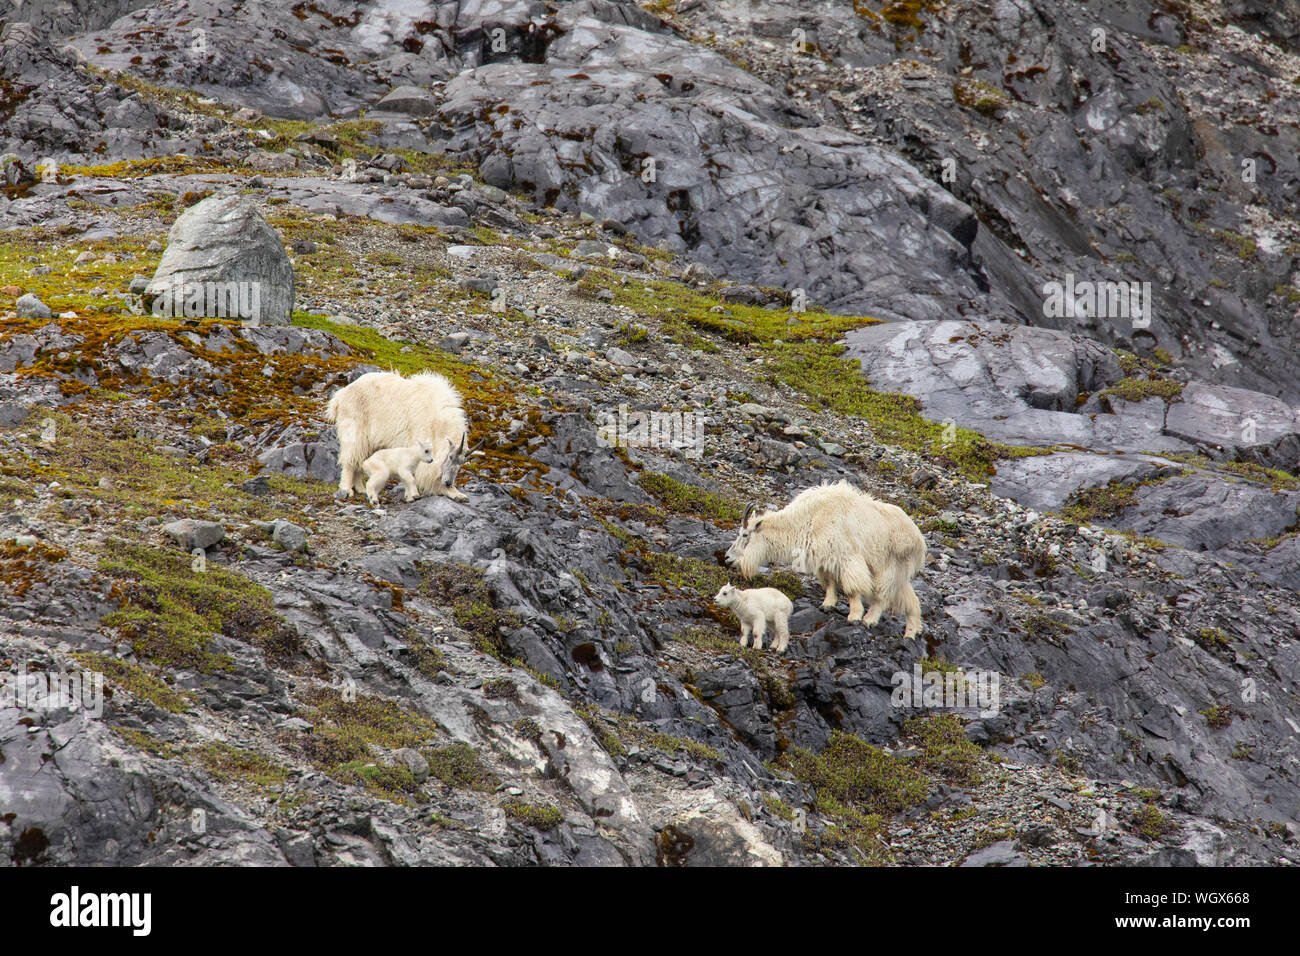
point(375, 485)
point(832, 595)
point(408, 482)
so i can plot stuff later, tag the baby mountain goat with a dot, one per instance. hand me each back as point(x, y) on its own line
point(867, 549)
point(402, 462)
point(384, 410)
point(756, 607)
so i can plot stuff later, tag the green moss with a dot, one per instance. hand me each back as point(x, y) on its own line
point(1140, 389)
point(603, 726)
point(857, 775)
point(1211, 638)
point(1042, 627)
point(855, 786)
point(462, 589)
point(982, 97)
point(1034, 680)
point(779, 807)
point(459, 766)
point(1092, 505)
point(231, 764)
point(1242, 246)
point(1218, 716)
point(171, 610)
point(534, 815)
point(1151, 823)
point(685, 499)
point(345, 730)
point(134, 679)
point(945, 748)
point(393, 783)
point(408, 358)
point(704, 577)
point(146, 742)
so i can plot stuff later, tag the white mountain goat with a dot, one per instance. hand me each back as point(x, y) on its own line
point(756, 607)
point(402, 462)
point(384, 410)
point(867, 549)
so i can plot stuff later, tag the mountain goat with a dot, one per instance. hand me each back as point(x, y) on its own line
point(402, 462)
point(867, 549)
point(384, 410)
point(756, 607)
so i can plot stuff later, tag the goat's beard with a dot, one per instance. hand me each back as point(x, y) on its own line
point(752, 558)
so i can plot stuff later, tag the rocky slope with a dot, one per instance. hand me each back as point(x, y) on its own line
point(536, 201)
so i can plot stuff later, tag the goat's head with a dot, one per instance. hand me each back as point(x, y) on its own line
point(747, 551)
point(454, 457)
point(725, 596)
point(426, 450)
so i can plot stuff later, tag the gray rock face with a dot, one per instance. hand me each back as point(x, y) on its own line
point(30, 307)
point(1014, 384)
point(223, 260)
point(1205, 513)
point(688, 165)
point(1048, 481)
point(304, 459)
point(1241, 423)
point(410, 100)
point(189, 534)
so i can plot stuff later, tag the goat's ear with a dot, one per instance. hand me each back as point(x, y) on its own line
point(758, 525)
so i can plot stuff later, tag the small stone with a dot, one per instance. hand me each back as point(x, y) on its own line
point(413, 761)
point(256, 486)
point(288, 535)
point(189, 534)
point(30, 307)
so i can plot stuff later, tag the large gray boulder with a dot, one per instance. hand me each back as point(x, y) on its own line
point(1238, 421)
point(1014, 384)
point(223, 260)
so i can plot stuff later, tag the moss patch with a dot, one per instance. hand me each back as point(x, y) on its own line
point(171, 610)
point(685, 499)
point(134, 679)
point(461, 589)
point(534, 815)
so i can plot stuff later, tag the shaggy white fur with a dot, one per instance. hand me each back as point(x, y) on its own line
point(402, 462)
point(384, 410)
point(756, 608)
point(870, 550)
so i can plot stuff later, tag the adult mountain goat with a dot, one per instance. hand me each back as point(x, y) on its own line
point(384, 410)
point(854, 544)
